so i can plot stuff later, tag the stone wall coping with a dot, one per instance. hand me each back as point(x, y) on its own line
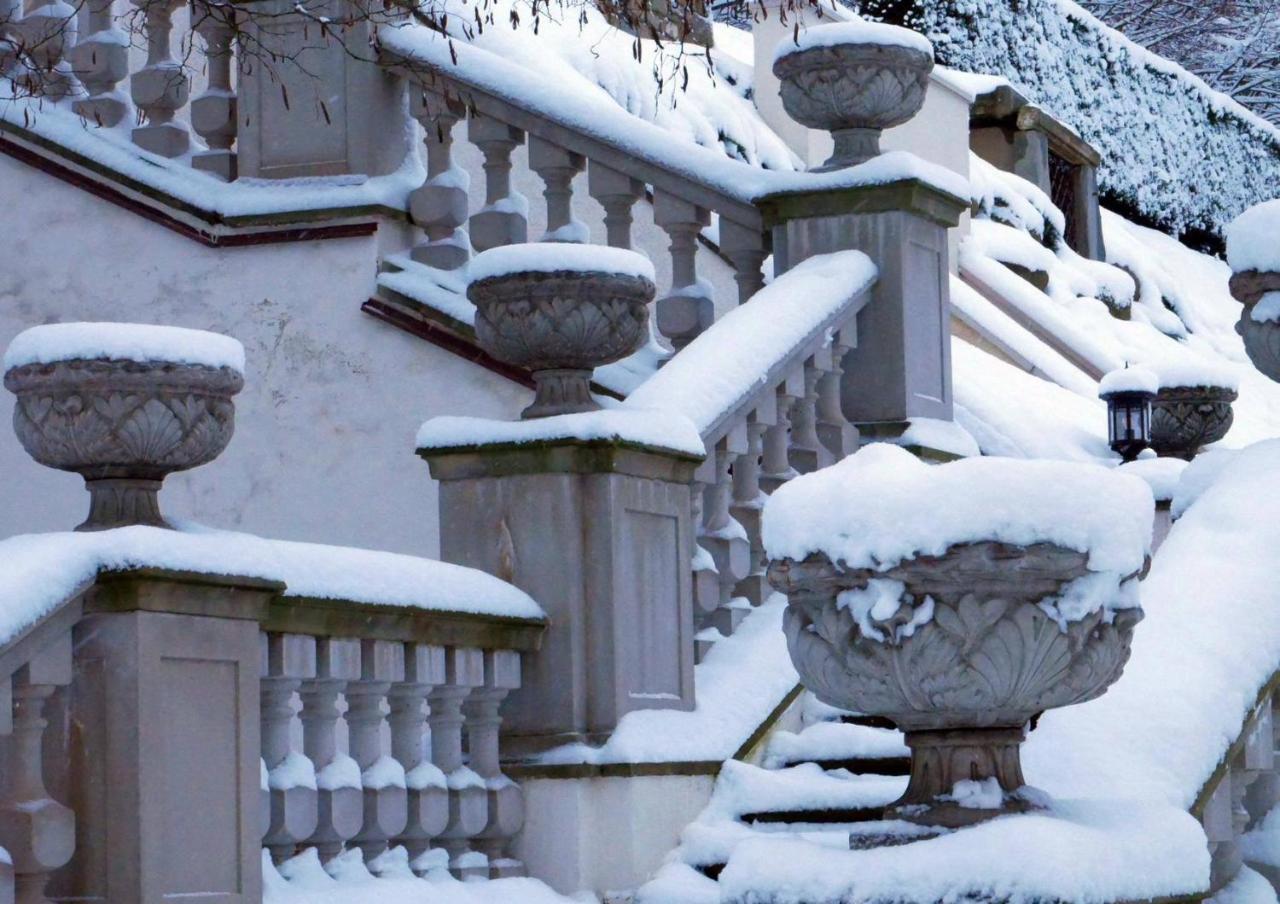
point(1006, 106)
point(910, 195)
point(560, 456)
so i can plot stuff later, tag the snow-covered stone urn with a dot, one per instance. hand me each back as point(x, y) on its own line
point(123, 405)
point(960, 601)
point(560, 310)
point(1192, 407)
point(853, 79)
point(1253, 250)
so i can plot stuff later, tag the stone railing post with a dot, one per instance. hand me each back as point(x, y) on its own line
point(213, 113)
point(617, 193)
point(439, 205)
point(161, 87)
point(428, 793)
point(339, 794)
point(468, 800)
point(101, 60)
point(504, 218)
point(506, 801)
point(688, 308)
point(38, 832)
point(288, 660)
point(557, 169)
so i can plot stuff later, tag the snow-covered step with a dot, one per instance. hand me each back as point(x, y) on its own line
point(858, 748)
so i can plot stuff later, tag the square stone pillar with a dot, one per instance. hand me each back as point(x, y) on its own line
point(599, 533)
point(901, 367)
point(165, 741)
point(314, 103)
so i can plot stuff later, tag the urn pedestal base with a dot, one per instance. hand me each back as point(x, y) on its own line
point(985, 759)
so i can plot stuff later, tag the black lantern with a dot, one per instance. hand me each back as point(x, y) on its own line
point(1128, 394)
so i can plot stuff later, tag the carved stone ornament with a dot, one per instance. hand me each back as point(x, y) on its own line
point(853, 91)
point(1185, 418)
point(963, 681)
point(561, 325)
point(1261, 337)
point(123, 426)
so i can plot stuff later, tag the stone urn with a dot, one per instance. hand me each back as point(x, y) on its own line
point(1186, 418)
point(853, 79)
point(1259, 324)
point(122, 424)
point(560, 310)
point(963, 684)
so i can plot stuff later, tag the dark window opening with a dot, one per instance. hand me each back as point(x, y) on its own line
point(1064, 181)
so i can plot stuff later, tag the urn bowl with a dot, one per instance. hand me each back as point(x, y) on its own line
point(1185, 418)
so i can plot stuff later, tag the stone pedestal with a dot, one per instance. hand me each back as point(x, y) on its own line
point(165, 740)
point(599, 533)
point(901, 367)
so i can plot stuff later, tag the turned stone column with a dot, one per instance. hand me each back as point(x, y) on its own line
point(161, 87)
point(166, 701)
point(101, 60)
point(468, 800)
point(901, 367)
point(599, 533)
point(428, 793)
point(213, 113)
point(288, 660)
point(38, 832)
point(439, 205)
point(340, 805)
point(504, 218)
point(505, 799)
point(688, 308)
point(385, 798)
point(617, 193)
point(557, 169)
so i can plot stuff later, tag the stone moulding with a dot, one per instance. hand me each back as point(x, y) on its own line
point(963, 683)
point(853, 91)
point(1261, 337)
point(561, 325)
point(1185, 418)
point(123, 426)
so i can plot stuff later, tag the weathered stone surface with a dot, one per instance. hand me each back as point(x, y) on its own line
point(561, 325)
point(853, 91)
point(1184, 418)
point(963, 683)
point(123, 426)
point(1261, 338)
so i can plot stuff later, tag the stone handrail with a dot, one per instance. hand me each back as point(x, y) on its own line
point(763, 387)
point(199, 662)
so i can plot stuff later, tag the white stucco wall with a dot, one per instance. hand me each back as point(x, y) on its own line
point(325, 426)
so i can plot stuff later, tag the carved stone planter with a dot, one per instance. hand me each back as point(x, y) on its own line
point(853, 80)
point(964, 659)
point(123, 426)
point(1185, 418)
point(561, 323)
point(1258, 325)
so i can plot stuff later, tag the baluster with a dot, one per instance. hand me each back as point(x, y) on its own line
point(386, 807)
point(424, 668)
point(723, 536)
point(1264, 794)
point(339, 793)
point(506, 800)
point(1219, 831)
point(37, 831)
point(806, 452)
point(439, 205)
point(46, 32)
point(101, 60)
point(557, 168)
point(160, 88)
point(838, 436)
point(213, 113)
point(706, 580)
point(748, 507)
point(504, 218)
point(746, 250)
point(776, 465)
point(688, 309)
point(287, 660)
point(617, 193)
point(468, 797)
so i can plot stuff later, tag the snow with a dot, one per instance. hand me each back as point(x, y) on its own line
point(639, 426)
point(1267, 310)
point(340, 772)
point(139, 342)
point(740, 683)
point(553, 257)
point(1248, 887)
point(1211, 596)
point(1161, 474)
point(1129, 379)
point(834, 741)
point(386, 772)
point(1261, 844)
point(977, 795)
point(294, 771)
point(944, 436)
point(882, 506)
point(1189, 370)
point(1253, 238)
point(729, 364)
point(355, 887)
point(834, 34)
point(40, 571)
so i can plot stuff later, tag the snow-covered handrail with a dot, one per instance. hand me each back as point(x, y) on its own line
point(763, 388)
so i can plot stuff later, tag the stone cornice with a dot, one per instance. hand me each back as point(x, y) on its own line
point(910, 195)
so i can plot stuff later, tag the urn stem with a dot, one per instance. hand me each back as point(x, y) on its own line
point(852, 146)
point(561, 391)
point(123, 501)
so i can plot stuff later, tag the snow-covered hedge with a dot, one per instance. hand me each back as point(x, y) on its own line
point(1174, 152)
